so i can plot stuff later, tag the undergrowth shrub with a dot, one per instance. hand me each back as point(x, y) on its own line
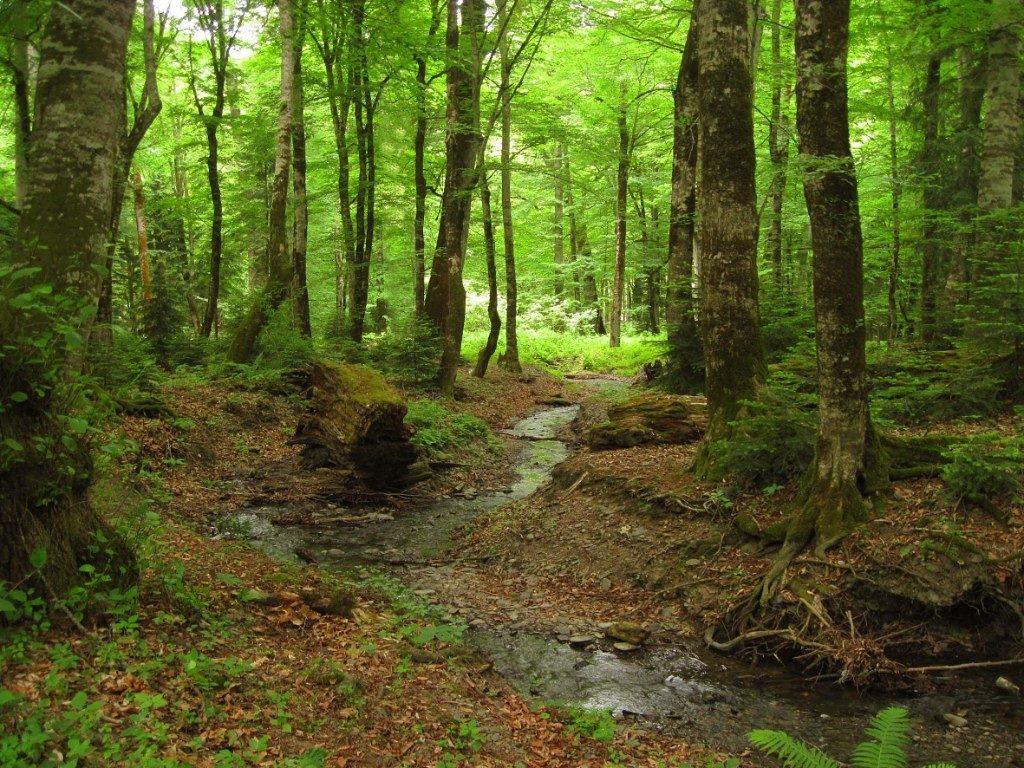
point(773, 440)
point(280, 345)
point(440, 431)
point(408, 351)
point(918, 389)
point(984, 469)
point(129, 364)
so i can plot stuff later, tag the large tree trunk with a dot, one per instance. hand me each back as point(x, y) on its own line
point(727, 218)
point(680, 318)
point(896, 194)
point(483, 358)
point(279, 279)
point(511, 359)
point(621, 188)
point(996, 309)
point(45, 463)
point(300, 223)
point(446, 295)
point(845, 466)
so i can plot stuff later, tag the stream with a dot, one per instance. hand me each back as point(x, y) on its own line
point(681, 689)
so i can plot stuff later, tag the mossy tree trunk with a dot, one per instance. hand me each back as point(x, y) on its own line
point(45, 464)
point(279, 278)
point(419, 158)
point(680, 318)
point(778, 149)
point(726, 218)
point(847, 458)
point(446, 295)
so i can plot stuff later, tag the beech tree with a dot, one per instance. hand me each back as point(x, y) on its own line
point(847, 463)
point(446, 295)
point(48, 302)
point(280, 273)
point(726, 218)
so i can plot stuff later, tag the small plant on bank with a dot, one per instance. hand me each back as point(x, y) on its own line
point(440, 431)
point(885, 747)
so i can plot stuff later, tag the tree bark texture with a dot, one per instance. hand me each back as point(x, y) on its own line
point(932, 200)
point(680, 319)
point(778, 149)
point(446, 295)
point(844, 465)
point(279, 278)
point(727, 217)
point(45, 463)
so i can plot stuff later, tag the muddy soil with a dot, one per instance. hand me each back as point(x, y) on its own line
point(539, 572)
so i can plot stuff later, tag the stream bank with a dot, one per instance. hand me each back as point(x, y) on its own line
point(522, 610)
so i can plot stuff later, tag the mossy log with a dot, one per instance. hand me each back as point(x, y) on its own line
point(356, 419)
point(651, 418)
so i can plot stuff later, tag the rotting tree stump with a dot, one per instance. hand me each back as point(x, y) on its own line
point(356, 420)
point(651, 418)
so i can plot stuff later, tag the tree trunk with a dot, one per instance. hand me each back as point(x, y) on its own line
point(300, 223)
point(446, 296)
point(896, 187)
point(21, 75)
point(511, 359)
point(574, 248)
point(139, 200)
point(996, 291)
point(621, 188)
point(845, 466)
point(483, 359)
point(932, 202)
point(45, 461)
point(419, 148)
point(778, 149)
point(279, 279)
point(727, 218)
point(680, 318)
point(146, 112)
point(557, 223)
point(965, 197)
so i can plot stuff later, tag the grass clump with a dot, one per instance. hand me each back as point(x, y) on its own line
point(986, 469)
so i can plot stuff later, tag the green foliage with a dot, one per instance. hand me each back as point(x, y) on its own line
point(984, 469)
point(408, 351)
point(916, 389)
point(773, 439)
point(571, 352)
point(280, 345)
point(440, 431)
point(596, 724)
point(885, 747)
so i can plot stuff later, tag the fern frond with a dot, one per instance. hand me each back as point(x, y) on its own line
point(793, 753)
point(889, 729)
point(941, 765)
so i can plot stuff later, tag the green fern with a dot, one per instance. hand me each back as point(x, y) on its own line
point(793, 753)
point(888, 736)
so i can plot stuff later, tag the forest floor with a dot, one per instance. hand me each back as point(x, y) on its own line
point(239, 658)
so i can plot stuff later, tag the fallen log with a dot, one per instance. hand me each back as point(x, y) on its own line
point(355, 419)
point(651, 418)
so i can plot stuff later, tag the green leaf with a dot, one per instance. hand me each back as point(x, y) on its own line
point(38, 557)
point(18, 397)
point(78, 425)
point(13, 445)
point(6, 607)
point(73, 339)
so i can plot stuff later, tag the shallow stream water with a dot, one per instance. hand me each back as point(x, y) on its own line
point(681, 689)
